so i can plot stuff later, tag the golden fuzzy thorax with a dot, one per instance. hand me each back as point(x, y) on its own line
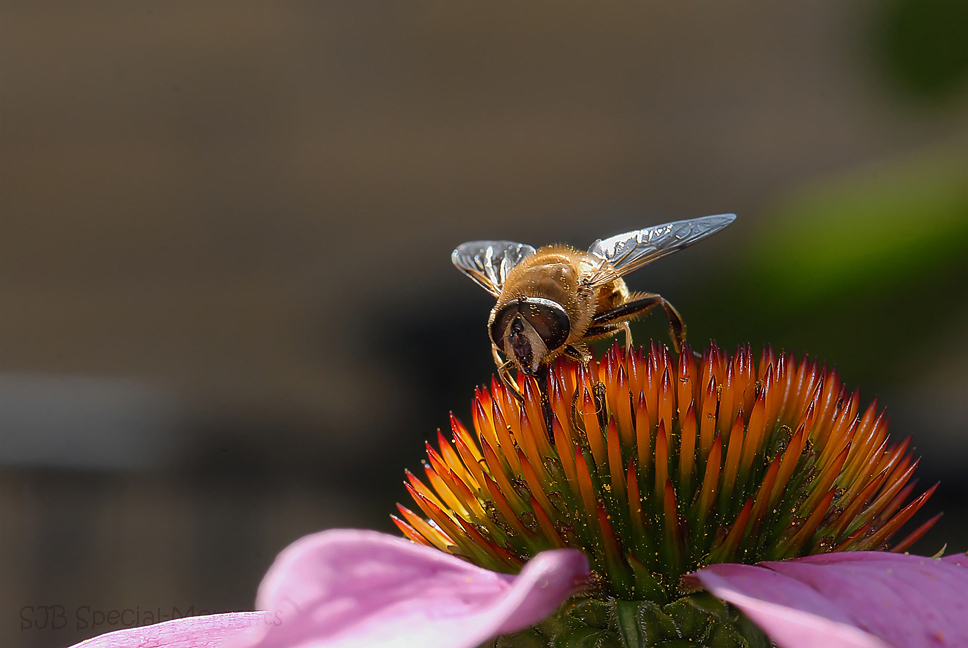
point(557, 273)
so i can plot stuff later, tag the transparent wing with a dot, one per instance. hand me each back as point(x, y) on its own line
point(489, 262)
point(621, 254)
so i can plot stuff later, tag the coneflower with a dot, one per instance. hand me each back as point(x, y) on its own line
point(656, 466)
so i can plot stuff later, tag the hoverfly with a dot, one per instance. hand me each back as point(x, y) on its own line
point(553, 300)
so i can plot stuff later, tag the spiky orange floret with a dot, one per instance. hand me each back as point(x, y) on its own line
point(655, 467)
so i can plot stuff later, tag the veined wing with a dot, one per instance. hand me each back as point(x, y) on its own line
point(489, 262)
point(621, 254)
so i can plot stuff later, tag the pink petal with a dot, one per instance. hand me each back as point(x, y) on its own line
point(858, 598)
point(957, 559)
point(346, 588)
point(191, 632)
point(791, 613)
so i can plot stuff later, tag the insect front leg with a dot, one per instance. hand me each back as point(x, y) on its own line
point(496, 354)
point(639, 306)
point(503, 372)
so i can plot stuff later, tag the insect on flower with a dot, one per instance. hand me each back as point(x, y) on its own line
point(553, 300)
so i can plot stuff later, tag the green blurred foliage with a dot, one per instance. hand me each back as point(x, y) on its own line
point(923, 46)
point(866, 231)
point(869, 269)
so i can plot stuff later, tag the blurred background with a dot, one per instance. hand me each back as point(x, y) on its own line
point(228, 316)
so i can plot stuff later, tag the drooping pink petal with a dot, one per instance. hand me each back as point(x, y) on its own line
point(191, 632)
point(790, 612)
point(852, 599)
point(346, 588)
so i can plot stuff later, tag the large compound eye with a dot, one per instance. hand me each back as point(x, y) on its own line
point(502, 320)
point(549, 320)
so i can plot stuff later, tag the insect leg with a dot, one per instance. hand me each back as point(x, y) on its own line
point(639, 306)
point(677, 328)
point(503, 372)
point(496, 354)
point(577, 352)
point(595, 332)
point(628, 310)
point(541, 376)
point(628, 334)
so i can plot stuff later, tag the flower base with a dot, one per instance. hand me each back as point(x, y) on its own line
point(695, 621)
